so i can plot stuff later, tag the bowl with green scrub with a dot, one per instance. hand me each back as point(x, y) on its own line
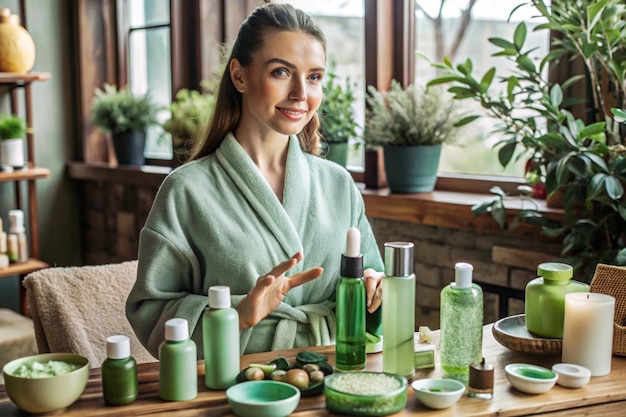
point(47, 382)
point(263, 398)
point(531, 379)
point(438, 393)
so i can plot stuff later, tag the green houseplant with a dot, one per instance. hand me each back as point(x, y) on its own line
point(584, 161)
point(190, 115)
point(12, 132)
point(410, 123)
point(337, 118)
point(127, 117)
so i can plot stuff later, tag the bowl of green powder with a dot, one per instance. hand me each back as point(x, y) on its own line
point(46, 382)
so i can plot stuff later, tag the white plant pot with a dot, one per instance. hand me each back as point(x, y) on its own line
point(12, 152)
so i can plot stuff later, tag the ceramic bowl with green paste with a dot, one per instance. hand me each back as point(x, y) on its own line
point(363, 393)
point(47, 382)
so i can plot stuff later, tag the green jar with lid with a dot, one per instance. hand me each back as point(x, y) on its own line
point(545, 298)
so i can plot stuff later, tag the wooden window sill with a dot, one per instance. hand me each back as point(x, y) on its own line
point(442, 208)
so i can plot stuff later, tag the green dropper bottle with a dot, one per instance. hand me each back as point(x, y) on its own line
point(351, 307)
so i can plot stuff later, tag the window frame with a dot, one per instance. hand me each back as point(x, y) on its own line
point(389, 27)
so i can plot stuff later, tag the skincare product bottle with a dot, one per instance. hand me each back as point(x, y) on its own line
point(545, 298)
point(3, 239)
point(178, 370)
point(17, 243)
point(399, 309)
point(119, 372)
point(481, 380)
point(461, 333)
point(350, 308)
point(220, 335)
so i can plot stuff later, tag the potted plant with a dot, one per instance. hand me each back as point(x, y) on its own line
point(12, 131)
point(336, 115)
point(127, 117)
point(411, 124)
point(190, 115)
point(584, 161)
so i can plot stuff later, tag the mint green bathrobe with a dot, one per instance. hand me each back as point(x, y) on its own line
point(216, 221)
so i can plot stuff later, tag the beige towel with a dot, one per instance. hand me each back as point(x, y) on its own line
point(75, 309)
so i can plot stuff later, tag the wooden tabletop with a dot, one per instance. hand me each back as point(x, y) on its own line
point(604, 396)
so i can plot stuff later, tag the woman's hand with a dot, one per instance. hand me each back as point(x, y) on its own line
point(270, 289)
point(373, 288)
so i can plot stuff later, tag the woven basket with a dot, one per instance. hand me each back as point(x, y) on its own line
point(611, 280)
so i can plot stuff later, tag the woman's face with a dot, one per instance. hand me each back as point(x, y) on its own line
point(282, 87)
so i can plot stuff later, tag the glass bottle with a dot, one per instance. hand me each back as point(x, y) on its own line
point(461, 334)
point(399, 309)
point(220, 335)
point(178, 368)
point(545, 298)
point(119, 372)
point(350, 308)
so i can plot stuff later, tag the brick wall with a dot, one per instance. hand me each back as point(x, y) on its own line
point(437, 249)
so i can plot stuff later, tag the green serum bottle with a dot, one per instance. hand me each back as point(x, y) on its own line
point(399, 309)
point(178, 363)
point(351, 307)
point(220, 336)
point(119, 372)
point(461, 335)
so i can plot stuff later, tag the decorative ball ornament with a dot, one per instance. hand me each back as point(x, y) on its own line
point(17, 49)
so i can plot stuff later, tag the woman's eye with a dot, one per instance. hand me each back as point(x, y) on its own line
point(280, 72)
point(315, 77)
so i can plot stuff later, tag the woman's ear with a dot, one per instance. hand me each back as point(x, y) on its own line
point(237, 75)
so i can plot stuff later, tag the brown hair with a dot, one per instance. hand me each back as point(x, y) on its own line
point(266, 18)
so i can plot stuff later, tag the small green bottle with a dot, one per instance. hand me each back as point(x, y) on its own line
point(119, 372)
point(350, 308)
point(178, 363)
point(545, 298)
point(220, 337)
point(461, 333)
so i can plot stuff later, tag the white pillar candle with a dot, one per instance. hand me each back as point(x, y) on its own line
point(588, 331)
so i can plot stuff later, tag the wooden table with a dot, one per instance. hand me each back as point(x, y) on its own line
point(604, 396)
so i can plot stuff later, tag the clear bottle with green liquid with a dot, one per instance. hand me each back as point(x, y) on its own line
point(461, 333)
point(350, 308)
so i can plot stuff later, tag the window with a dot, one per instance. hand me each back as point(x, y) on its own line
point(474, 153)
point(149, 66)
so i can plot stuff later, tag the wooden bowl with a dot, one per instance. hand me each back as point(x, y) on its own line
point(511, 332)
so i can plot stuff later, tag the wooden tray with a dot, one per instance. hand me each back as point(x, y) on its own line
point(511, 332)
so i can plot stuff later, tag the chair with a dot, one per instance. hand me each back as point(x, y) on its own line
point(74, 309)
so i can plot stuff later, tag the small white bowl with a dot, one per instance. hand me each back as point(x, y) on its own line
point(531, 379)
point(572, 376)
point(438, 393)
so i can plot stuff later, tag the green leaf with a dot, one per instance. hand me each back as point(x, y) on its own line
point(614, 188)
point(511, 83)
point(619, 114)
point(466, 120)
point(444, 79)
point(481, 208)
point(556, 95)
point(497, 190)
point(591, 130)
point(596, 185)
point(520, 36)
point(597, 160)
point(487, 79)
point(525, 63)
point(562, 171)
point(502, 43)
point(594, 13)
point(619, 165)
point(620, 258)
point(498, 212)
point(505, 153)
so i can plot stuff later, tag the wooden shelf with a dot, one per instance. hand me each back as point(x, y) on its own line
point(25, 174)
point(14, 78)
point(23, 268)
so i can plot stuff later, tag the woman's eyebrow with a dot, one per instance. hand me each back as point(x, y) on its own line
point(292, 66)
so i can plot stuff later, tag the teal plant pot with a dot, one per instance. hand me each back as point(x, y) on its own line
point(411, 169)
point(129, 148)
point(337, 152)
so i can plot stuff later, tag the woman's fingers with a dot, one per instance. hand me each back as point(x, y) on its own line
point(285, 266)
point(373, 288)
point(305, 276)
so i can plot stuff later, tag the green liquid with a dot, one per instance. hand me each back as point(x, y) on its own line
point(119, 381)
point(399, 325)
point(350, 313)
point(178, 370)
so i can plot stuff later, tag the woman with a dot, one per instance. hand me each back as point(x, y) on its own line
point(255, 208)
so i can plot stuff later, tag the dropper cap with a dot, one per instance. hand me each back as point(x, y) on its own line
point(219, 296)
point(176, 330)
point(118, 347)
point(398, 259)
point(463, 274)
point(352, 259)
